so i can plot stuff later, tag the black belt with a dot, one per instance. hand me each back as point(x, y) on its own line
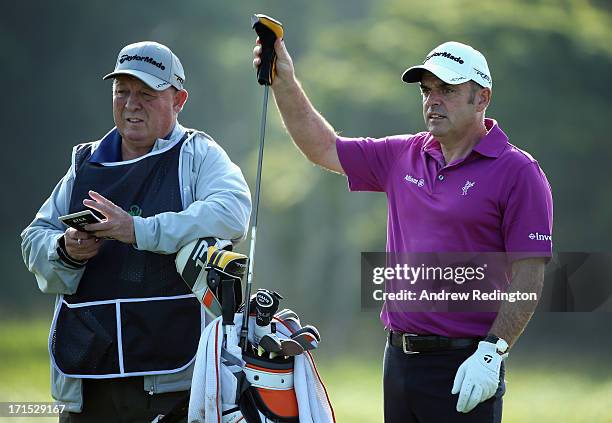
point(414, 344)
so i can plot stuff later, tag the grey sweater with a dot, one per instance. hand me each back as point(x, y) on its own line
point(216, 203)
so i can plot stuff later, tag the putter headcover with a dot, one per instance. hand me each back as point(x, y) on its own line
point(203, 263)
point(268, 30)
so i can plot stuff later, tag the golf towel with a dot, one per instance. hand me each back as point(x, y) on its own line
point(214, 383)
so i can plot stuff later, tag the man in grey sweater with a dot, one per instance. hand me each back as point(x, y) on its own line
point(126, 328)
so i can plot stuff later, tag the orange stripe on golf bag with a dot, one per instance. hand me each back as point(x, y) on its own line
point(271, 389)
point(208, 298)
point(281, 403)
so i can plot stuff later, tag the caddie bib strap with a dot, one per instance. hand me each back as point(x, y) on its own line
point(131, 314)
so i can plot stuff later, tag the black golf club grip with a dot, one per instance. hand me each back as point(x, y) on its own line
point(268, 30)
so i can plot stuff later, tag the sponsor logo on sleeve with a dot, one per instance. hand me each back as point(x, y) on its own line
point(536, 236)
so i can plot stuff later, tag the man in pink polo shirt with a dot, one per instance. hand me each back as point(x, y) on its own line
point(458, 187)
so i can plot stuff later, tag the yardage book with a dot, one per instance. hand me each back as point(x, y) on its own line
point(79, 219)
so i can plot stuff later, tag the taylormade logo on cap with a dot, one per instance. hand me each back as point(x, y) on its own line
point(153, 63)
point(454, 63)
point(146, 59)
point(445, 54)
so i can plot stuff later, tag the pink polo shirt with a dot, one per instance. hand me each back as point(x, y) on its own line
point(496, 199)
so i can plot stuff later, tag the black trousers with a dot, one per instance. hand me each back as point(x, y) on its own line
point(417, 389)
point(120, 400)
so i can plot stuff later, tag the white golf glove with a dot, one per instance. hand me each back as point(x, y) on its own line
point(477, 378)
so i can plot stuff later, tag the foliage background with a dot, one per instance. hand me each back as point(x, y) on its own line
point(551, 62)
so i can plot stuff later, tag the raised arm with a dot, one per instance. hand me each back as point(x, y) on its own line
point(313, 135)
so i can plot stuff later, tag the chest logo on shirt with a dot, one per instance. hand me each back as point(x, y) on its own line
point(135, 210)
point(413, 180)
point(466, 187)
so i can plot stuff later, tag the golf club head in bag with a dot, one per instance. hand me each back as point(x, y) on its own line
point(204, 265)
point(292, 323)
point(286, 314)
point(308, 329)
point(306, 340)
point(256, 386)
point(270, 396)
point(265, 304)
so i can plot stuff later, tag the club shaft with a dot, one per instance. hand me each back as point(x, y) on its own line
point(262, 134)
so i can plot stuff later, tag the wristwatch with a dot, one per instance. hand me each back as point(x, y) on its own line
point(500, 344)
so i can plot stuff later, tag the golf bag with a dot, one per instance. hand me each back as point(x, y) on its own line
point(274, 379)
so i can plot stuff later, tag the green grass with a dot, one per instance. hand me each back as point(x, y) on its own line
point(562, 395)
point(355, 389)
point(24, 361)
point(24, 365)
point(576, 392)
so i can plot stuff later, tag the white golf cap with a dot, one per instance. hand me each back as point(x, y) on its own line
point(153, 63)
point(454, 63)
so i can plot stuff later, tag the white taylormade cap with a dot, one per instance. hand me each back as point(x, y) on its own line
point(152, 63)
point(454, 63)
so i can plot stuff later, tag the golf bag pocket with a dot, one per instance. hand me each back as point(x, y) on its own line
point(276, 406)
point(271, 389)
point(83, 340)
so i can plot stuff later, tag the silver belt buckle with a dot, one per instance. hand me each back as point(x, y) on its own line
point(405, 344)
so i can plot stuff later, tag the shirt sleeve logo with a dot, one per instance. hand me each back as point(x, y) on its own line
point(535, 236)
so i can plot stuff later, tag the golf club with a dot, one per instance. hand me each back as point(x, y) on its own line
point(308, 329)
point(306, 340)
point(290, 348)
point(268, 30)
